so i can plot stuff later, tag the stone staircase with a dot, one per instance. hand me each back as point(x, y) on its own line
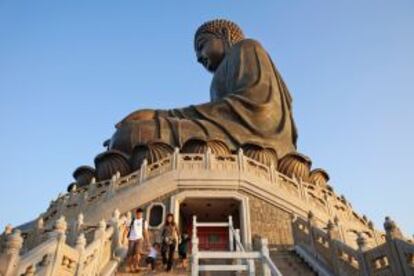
point(289, 263)
point(159, 272)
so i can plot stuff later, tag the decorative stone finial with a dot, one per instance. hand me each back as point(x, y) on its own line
point(40, 223)
point(391, 228)
point(144, 162)
point(116, 214)
point(101, 229)
point(8, 229)
point(81, 241)
point(14, 242)
point(102, 225)
point(361, 241)
point(371, 225)
point(60, 225)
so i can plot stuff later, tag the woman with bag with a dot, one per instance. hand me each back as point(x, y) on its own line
point(169, 241)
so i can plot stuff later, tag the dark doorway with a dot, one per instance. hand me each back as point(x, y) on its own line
point(210, 210)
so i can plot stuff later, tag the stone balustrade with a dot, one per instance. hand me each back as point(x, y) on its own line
point(325, 248)
point(265, 181)
point(56, 256)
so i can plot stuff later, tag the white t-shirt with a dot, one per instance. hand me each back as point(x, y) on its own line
point(137, 229)
point(152, 253)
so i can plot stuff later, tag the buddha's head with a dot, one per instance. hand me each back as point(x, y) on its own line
point(213, 40)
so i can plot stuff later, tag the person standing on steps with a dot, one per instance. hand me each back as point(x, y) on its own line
point(136, 231)
point(169, 236)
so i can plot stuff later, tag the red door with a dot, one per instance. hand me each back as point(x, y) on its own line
point(213, 238)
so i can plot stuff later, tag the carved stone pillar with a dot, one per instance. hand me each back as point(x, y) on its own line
point(310, 225)
point(80, 247)
point(334, 235)
point(9, 259)
point(393, 232)
point(362, 246)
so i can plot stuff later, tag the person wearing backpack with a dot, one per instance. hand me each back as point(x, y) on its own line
point(136, 231)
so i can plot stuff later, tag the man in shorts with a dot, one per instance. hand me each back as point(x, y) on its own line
point(137, 232)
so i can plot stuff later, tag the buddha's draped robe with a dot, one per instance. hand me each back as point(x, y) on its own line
point(250, 104)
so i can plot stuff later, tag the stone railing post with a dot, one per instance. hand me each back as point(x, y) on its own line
point(231, 234)
point(80, 247)
point(194, 226)
point(194, 256)
point(34, 236)
point(341, 231)
point(39, 229)
point(100, 234)
point(143, 171)
point(251, 267)
point(273, 174)
point(9, 259)
point(333, 234)
point(76, 228)
point(59, 233)
point(3, 238)
point(240, 159)
point(237, 240)
point(392, 232)
point(176, 158)
point(293, 223)
point(113, 184)
point(264, 250)
point(60, 206)
point(310, 225)
point(83, 198)
point(362, 246)
point(117, 248)
point(208, 159)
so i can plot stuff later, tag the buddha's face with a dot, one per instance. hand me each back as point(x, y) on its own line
point(210, 51)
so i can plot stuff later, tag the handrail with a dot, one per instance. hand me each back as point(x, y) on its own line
point(273, 268)
point(327, 254)
point(240, 254)
point(55, 256)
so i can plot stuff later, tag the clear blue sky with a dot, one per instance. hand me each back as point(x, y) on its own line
point(70, 69)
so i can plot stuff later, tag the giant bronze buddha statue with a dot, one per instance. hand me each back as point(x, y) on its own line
point(250, 108)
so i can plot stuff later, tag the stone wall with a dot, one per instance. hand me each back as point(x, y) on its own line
point(271, 222)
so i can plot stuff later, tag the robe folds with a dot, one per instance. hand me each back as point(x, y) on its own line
point(250, 104)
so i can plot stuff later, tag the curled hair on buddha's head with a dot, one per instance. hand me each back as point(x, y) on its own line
point(216, 28)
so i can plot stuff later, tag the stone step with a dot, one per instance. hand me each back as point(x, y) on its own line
point(289, 263)
point(157, 272)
